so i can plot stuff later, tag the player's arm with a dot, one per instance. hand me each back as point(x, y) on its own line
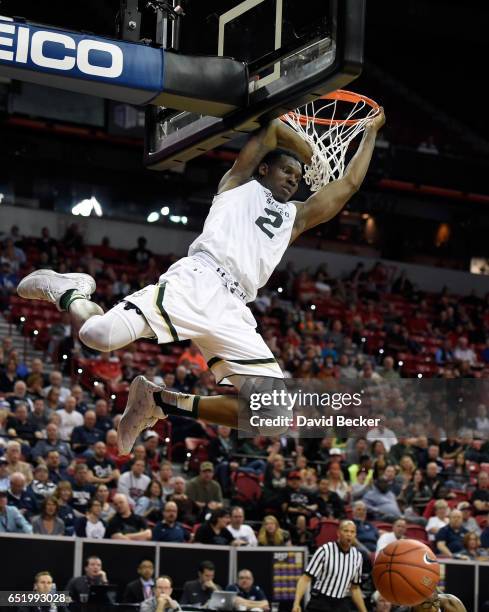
point(300, 590)
point(357, 598)
point(273, 135)
point(330, 199)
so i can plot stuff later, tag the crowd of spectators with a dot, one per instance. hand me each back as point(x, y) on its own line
point(61, 473)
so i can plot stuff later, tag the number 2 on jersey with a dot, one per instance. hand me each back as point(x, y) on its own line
point(275, 222)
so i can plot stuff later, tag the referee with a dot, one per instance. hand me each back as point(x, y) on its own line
point(335, 569)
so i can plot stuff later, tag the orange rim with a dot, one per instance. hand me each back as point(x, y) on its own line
point(343, 96)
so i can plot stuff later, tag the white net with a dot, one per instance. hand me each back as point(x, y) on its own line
point(329, 135)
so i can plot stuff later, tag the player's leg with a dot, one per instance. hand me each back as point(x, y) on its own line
point(69, 292)
point(107, 332)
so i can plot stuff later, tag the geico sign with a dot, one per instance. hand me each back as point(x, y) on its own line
point(27, 45)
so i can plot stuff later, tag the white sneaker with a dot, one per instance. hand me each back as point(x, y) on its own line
point(49, 286)
point(141, 413)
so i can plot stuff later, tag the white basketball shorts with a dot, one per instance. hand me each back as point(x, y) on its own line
point(190, 302)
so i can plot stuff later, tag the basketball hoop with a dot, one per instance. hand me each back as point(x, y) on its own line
point(329, 124)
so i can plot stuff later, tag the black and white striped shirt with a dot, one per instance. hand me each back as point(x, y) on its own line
point(333, 570)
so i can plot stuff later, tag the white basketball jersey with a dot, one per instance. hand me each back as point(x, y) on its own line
point(247, 232)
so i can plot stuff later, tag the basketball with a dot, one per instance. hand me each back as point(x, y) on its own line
point(406, 572)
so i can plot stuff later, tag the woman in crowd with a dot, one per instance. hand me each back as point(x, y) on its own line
point(150, 505)
point(472, 549)
point(64, 496)
point(457, 476)
point(271, 534)
point(91, 525)
point(407, 467)
point(214, 531)
point(416, 494)
point(337, 481)
point(102, 494)
point(48, 522)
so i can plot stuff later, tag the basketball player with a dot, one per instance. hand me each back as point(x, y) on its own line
point(440, 601)
point(203, 297)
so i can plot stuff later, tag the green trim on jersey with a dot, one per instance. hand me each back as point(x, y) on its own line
point(159, 303)
point(215, 360)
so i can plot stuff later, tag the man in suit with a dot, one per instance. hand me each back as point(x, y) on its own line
point(142, 588)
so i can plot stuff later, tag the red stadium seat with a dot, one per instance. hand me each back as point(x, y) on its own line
point(328, 531)
point(247, 488)
point(416, 532)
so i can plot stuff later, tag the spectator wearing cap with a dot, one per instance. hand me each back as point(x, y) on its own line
point(367, 533)
point(53, 443)
point(204, 490)
point(153, 453)
point(468, 521)
point(296, 500)
point(15, 464)
point(103, 470)
point(11, 520)
point(449, 539)
point(398, 532)
point(169, 529)
point(4, 477)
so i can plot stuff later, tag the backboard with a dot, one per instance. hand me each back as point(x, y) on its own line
point(295, 52)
